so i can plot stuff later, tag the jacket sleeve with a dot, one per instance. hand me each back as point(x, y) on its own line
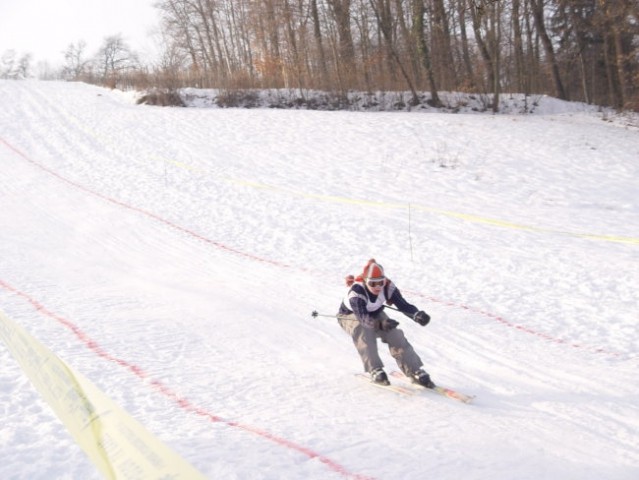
point(395, 298)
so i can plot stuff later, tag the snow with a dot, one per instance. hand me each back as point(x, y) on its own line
point(173, 256)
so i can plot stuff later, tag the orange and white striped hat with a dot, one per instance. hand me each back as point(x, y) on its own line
point(373, 271)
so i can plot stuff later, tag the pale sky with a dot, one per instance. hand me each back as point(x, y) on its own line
point(46, 28)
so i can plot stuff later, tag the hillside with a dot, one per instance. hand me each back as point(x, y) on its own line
point(173, 256)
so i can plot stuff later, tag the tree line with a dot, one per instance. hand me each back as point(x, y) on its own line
point(586, 50)
point(581, 50)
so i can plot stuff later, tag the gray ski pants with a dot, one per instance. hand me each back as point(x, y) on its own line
point(365, 341)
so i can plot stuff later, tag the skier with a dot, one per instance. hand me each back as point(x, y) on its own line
point(362, 316)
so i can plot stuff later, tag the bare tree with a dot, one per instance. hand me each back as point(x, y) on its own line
point(75, 63)
point(584, 49)
point(341, 14)
point(538, 15)
point(441, 38)
point(317, 35)
point(423, 50)
point(114, 59)
point(469, 67)
point(518, 48)
point(479, 22)
point(383, 13)
point(8, 64)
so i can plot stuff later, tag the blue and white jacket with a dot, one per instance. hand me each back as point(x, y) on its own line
point(360, 301)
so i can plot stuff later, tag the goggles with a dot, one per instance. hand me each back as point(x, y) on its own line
point(375, 282)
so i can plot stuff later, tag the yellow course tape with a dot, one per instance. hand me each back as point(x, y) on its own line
point(505, 224)
point(333, 198)
point(118, 445)
point(463, 216)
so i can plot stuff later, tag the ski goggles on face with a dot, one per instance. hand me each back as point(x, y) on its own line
point(375, 282)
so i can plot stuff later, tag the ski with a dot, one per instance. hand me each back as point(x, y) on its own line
point(393, 388)
point(446, 392)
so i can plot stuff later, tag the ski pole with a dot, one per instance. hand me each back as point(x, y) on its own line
point(314, 314)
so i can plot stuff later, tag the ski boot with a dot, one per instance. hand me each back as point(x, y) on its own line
point(379, 376)
point(422, 378)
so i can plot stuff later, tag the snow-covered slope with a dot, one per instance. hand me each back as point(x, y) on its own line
point(174, 255)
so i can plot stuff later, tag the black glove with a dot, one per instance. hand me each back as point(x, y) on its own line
point(387, 324)
point(422, 318)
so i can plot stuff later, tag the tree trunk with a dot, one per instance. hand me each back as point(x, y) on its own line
point(520, 64)
point(477, 14)
point(496, 44)
point(538, 14)
point(384, 19)
point(464, 42)
point(422, 50)
point(317, 34)
point(342, 15)
point(442, 45)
